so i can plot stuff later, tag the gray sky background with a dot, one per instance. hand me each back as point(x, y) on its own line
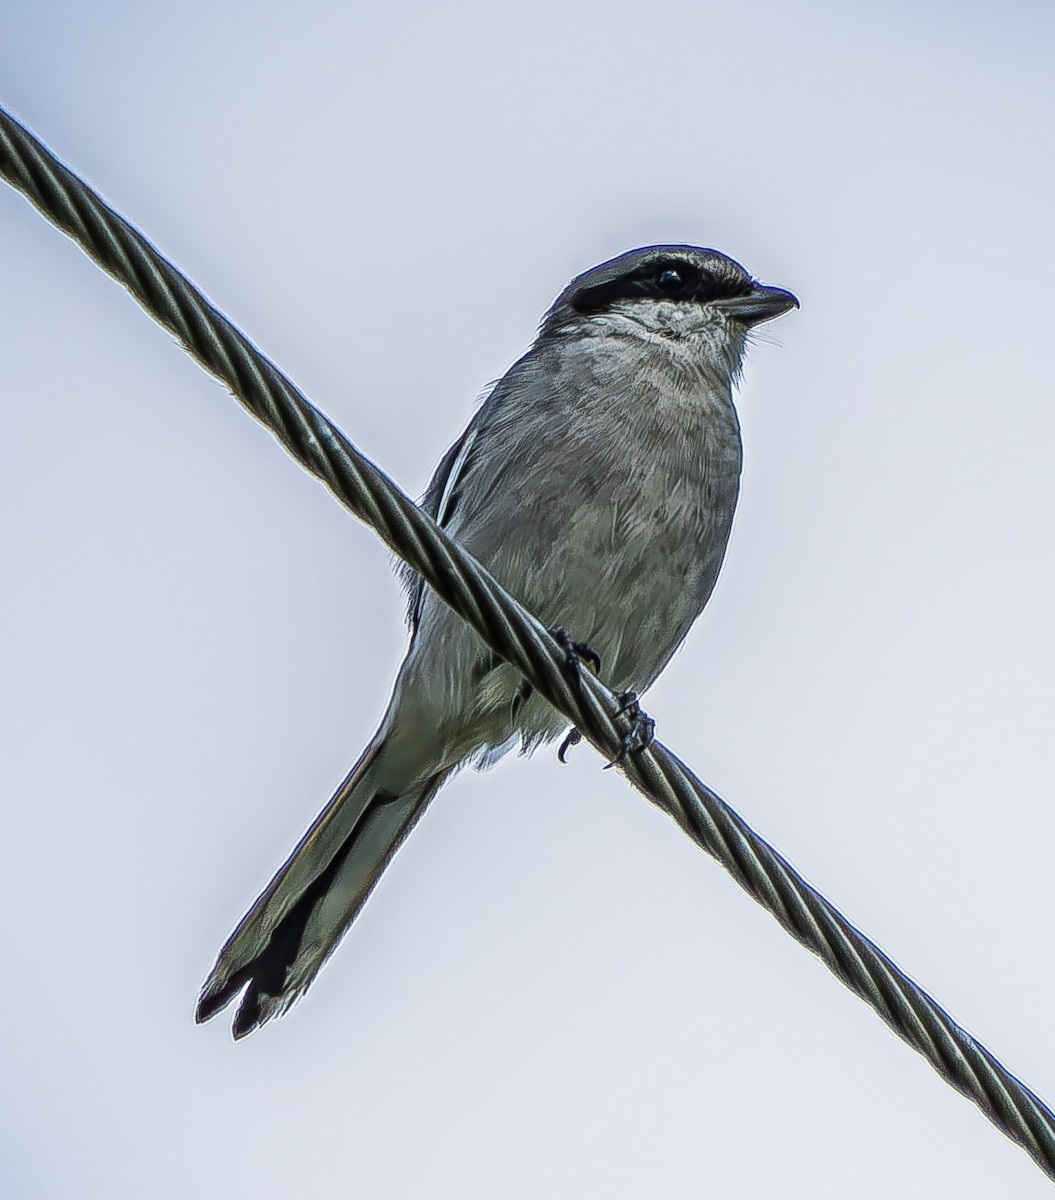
point(552, 993)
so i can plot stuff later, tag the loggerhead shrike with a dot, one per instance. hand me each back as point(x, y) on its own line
point(597, 482)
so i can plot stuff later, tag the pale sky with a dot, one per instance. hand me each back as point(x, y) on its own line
point(552, 992)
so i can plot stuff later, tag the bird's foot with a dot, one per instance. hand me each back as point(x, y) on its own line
point(641, 732)
point(575, 652)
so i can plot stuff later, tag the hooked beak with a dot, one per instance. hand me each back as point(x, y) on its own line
point(760, 304)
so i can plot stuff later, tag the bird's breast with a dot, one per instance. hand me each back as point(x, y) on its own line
point(623, 512)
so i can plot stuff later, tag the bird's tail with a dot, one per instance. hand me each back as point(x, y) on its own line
point(294, 926)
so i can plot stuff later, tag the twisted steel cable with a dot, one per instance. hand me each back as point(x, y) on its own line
point(518, 637)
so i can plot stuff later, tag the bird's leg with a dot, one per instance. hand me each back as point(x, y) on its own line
point(642, 728)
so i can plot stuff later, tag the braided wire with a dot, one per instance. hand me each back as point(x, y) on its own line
point(513, 633)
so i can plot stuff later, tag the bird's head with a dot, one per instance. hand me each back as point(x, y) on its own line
point(669, 294)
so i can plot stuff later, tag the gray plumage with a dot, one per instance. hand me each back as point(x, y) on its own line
point(597, 482)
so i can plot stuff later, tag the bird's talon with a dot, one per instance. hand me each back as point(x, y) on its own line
point(522, 694)
point(576, 652)
point(587, 654)
point(573, 739)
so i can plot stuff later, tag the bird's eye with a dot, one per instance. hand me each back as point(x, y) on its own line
point(670, 280)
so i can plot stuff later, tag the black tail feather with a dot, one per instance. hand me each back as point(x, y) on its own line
point(266, 973)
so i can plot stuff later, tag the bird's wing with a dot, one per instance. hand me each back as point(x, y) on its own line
point(440, 500)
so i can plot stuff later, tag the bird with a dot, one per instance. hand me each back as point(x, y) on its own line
point(597, 482)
